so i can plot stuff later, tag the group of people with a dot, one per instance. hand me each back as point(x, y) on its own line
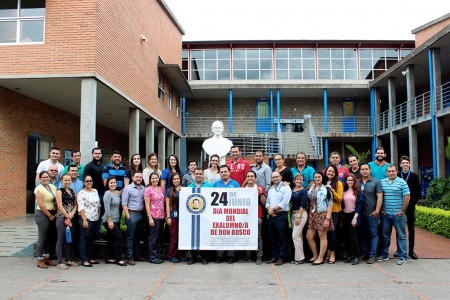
point(355, 205)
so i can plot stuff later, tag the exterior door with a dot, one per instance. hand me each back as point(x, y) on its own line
point(348, 116)
point(263, 116)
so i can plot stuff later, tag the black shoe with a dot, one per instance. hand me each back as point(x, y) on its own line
point(204, 261)
point(218, 260)
point(348, 260)
point(413, 255)
point(272, 261)
point(191, 262)
point(231, 260)
point(279, 262)
point(396, 254)
point(355, 260)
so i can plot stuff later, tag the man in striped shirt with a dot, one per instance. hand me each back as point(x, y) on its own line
point(396, 199)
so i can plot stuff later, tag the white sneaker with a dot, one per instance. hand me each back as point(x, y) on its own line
point(62, 266)
point(401, 262)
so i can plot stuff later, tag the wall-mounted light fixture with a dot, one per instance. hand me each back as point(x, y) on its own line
point(143, 38)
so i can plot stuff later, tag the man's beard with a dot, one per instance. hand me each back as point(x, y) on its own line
point(380, 159)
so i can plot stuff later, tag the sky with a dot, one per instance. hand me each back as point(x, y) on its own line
point(209, 20)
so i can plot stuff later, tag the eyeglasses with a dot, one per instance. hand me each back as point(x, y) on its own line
point(87, 181)
point(53, 170)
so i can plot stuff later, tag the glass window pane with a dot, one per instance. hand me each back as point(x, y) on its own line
point(295, 74)
point(224, 75)
point(324, 64)
point(366, 63)
point(392, 53)
point(350, 53)
point(337, 64)
point(295, 63)
point(184, 54)
point(266, 64)
point(295, 53)
point(405, 52)
point(266, 74)
point(324, 74)
point(252, 64)
point(366, 74)
point(377, 53)
point(223, 64)
point(282, 63)
point(197, 54)
point(307, 74)
point(337, 53)
point(32, 8)
point(252, 74)
point(350, 64)
point(196, 64)
point(223, 53)
point(210, 75)
point(8, 8)
point(380, 64)
point(252, 53)
point(210, 64)
point(238, 53)
point(238, 75)
point(210, 54)
point(186, 75)
point(308, 53)
point(365, 53)
point(337, 74)
point(282, 74)
point(265, 53)
point(8, 32)
point(184, 65)
point(323, 53)
point(351, 74)
point(239, 64)
point(195, 75)
point(309, 64)
point(281, 53)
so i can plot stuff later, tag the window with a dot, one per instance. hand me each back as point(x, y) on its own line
point(22, 21)
point(337, 63)
point(178, 104)
point(160, 87)
point(211, 64)
point(185, 63)
point(252, 64)
point(170, 98)
point(374, 62)
point(295, 64)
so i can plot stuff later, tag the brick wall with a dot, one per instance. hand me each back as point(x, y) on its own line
point(423, 35)
point(130, 64)
point(21, 116)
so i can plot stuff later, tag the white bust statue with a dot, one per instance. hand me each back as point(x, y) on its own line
point(217, 144)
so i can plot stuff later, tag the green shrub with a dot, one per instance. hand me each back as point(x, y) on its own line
point(435, 220)
point(438, 193)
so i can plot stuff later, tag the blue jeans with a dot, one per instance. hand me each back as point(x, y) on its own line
point(87, 236)
point(369, 235)
point(399, 223)
point(133, 226)
point(278, 229)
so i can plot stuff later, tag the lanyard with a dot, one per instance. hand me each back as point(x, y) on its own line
point(407, 176)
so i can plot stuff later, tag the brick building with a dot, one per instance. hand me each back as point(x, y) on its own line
point(100, 72)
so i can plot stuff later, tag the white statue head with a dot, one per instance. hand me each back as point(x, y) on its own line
point(217, 128)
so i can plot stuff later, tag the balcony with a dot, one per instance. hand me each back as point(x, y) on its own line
point(414, 111)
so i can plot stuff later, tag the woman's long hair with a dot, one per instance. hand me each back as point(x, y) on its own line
point(173, 191)
point(334, 179)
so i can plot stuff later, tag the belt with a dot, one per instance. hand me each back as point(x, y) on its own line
point(135, 211)
point(281, 212)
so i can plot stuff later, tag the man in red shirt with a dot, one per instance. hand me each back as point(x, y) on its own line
point(335, 160)
point(238, 166)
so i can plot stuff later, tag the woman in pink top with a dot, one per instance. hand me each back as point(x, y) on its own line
point(351, 202)
point(154, 204)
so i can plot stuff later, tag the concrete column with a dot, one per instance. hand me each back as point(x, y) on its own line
point(171, 143)
point(162, 147)
point(440, 145)
point(410, 91)
point(439, 123)
point(392, 135)
point(377, 113)
point(133, 131)
point(149, 136)
point(177, 149)
point(413, 154)
point(88, 118)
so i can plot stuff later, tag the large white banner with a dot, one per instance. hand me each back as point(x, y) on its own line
point(218, 219)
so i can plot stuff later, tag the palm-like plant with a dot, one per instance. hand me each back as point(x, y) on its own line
point(362, 156)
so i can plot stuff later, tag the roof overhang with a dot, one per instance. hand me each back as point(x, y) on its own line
point(174, 75)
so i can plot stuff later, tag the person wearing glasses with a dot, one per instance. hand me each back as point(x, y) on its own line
point(89, 210)
point(54, 178)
